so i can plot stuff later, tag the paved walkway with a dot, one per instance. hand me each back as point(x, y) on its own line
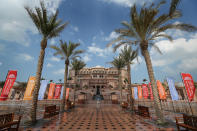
point(93, 117)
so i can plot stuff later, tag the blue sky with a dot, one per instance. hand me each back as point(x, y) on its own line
point(91, 22)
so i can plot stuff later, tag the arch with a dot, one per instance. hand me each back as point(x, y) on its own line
point(110, 86)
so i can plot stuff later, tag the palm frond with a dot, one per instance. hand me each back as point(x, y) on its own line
point(127, 54)
point(161, 35)
point(120, 38)
point(44, 13)
point(173, 6)
point(183, 27)
point(58, 51)
point(160, 3)
point(118, 63)
point(34, 18)
point(48, 26)
point(155, 47)
point(78, 52)
point(119, 45)
point(77, 65)
point(67, 50)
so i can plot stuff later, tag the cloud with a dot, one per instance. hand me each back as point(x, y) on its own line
point(53, 58)
point(99, 51)
point(159, 62)
point(98, 66)
point(75, 28)
point(52, 42)
point(59, 72)
point(127, 3)
point(188, 64)
point(94, 38)
point(86, 58)
point(49, 65)
point(136, 62)
point(81, 42)
point(177, 55)
point(25, 57)
point(112, 36)
point(15, 22)
point(2, 47)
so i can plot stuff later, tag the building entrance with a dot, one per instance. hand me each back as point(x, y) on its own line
point(98, 95)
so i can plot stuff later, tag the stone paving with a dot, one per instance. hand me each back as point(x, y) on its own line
point(95, 117)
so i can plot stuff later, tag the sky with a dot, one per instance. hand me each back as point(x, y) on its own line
point(92, 24)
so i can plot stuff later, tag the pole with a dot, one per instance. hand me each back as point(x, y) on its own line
point(187, 96)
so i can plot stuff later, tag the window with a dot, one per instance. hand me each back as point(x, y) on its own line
point(101, 76)
point(94, 76)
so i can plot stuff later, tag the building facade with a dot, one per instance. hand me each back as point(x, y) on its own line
point(98, 77)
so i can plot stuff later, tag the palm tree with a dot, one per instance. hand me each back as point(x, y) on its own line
point(77, 65)
point(119, 64)
point(48, 27)
point(67, 51)
point(128, 55)
point(146, 26)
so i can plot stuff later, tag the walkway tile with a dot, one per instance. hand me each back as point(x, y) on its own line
point(92, 117)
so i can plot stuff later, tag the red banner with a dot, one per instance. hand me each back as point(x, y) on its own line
point(162, 93)
point(67, 93)
point(57, 91)
point(151, 92)
point(10, 79)
point(139, 92)
point(189, 85)
point(51, 90)
point(145, 91)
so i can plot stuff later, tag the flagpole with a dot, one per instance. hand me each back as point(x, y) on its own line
point(187, 95)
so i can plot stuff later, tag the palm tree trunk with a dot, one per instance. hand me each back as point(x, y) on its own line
point(76, 85)
point(37, 81)
point(119, 85)
point(65, 84)
point(74, 95)
point(130, 88)
point(157, 103)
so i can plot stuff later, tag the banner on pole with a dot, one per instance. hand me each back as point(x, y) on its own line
point(132, 95)
point(173, 91)
point(42, 90)
point(162, 93)
point(189, 85)
point(62, 91)
point(135, 93)
point(139, 92)
point(10, 79)
point(151, 91)
point(67, 93)
point(145, 91)
point(30, 88)
point(57, 91)
point(51, 91)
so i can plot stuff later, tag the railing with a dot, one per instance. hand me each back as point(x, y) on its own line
point(180, 106)
point(23, 107)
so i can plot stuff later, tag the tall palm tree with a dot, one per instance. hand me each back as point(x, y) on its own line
point(119, 64)
point(146, 26)
point(67, 51)
point(128, 55)
point(48, 27)
point(77, 65)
